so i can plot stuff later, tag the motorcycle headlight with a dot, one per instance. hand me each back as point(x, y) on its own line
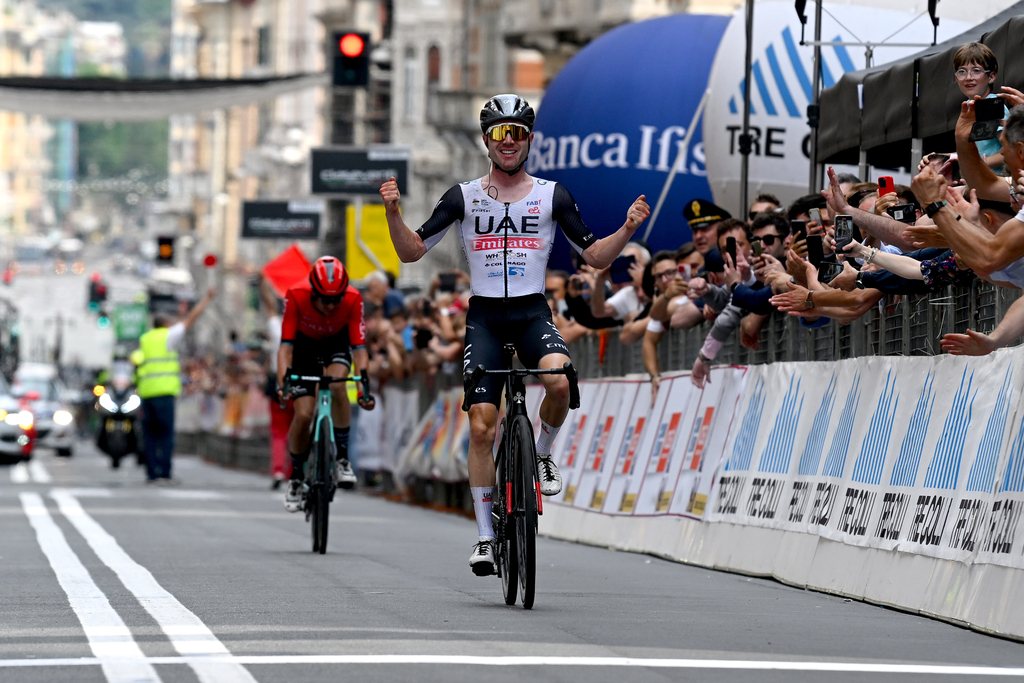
point(63, 418)
point(107, 403)
point(131, 404)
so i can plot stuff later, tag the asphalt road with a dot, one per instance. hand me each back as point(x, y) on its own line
point(105, 579)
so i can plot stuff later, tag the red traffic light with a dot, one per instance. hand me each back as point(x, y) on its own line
point(351, 45)
point(210, 260)
point(96, 276)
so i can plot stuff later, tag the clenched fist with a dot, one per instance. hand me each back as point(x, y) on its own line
point(390, 194)
point(637, 213)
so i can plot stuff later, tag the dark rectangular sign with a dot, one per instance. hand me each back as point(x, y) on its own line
point(359, 171)
point(281, 220)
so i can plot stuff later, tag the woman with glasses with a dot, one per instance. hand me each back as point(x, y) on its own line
point(322, 332)
point(506, 222)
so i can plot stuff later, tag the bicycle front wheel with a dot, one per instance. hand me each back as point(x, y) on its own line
point(508, 562)
point(525, 491)
point(320, 492)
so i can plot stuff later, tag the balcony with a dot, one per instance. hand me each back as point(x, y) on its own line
point(455, 110)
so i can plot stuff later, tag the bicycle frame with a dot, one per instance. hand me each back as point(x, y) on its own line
point(515, 515)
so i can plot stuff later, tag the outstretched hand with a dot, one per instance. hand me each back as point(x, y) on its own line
point(637, 213)
point(970, 344)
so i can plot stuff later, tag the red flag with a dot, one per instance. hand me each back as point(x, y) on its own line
point(287, 270)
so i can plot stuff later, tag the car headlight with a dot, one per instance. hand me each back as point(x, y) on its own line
point(25, 419)
point(107, 403)
point(131, 404)
point(11, 419)
point(63, 418)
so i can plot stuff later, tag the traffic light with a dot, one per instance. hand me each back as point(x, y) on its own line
point(165, 250)
point(97, 292)
point(351, 58)
point(103, 322)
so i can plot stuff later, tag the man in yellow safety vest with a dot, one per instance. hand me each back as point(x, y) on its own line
point(159, 383)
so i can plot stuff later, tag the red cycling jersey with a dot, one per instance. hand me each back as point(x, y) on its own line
point(301, 318)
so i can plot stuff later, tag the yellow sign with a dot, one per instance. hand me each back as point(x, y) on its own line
point(570, 494)
point(598, 500)
point(373, 233)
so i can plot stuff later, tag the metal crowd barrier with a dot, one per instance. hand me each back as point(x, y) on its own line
point(898, 326)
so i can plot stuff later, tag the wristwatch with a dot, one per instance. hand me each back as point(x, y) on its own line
point(810, 302)
point(707, 361)
point(859, 282)
point(934, 208)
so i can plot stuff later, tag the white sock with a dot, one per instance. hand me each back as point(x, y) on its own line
point(482, 496)
point(546, 438)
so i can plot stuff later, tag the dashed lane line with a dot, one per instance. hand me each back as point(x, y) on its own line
point(38, 472)
point(514, 661)
point(20, 474)
point(209, 658)
point(109, 638)
point(32, 471)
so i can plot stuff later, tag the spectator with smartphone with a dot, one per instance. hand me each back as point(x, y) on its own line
point(628, 298)
point(884, 228)
point(577, 300)
point(769, 231)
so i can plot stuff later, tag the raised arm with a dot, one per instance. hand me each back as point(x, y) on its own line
point(601, 253)
point(973, 167)
point(884, 228)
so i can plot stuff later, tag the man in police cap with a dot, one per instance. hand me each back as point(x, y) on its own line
point(704, 217)
point(159, 383)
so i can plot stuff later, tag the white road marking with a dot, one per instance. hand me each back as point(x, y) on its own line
point(19, 474)
point(38, 472)
point(109, 638)
point(187, 633)
point(633, 662)
point(193, 495)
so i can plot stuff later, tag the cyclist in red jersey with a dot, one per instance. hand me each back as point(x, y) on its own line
point(322, 333)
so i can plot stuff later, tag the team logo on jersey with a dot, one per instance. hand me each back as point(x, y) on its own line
point(533, 209)
point(487, 243)
point(517, 271)
point(545, 336)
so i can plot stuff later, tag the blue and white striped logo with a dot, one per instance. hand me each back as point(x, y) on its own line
point(944, 469)
point(743, 448)
point(789, 78)
point(868, 467)
point(904, 472)
point(983, 472)
point(779, 449)
point(835, 461)
point(815, 444)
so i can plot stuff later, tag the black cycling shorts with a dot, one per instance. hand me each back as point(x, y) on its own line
point(524, 321)
point(310, 357)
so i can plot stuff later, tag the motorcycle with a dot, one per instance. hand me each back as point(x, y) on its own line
point(119, 406)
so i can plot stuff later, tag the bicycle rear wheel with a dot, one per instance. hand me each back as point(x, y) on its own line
point(525, 506)
point(320, 494)
point(508, 563)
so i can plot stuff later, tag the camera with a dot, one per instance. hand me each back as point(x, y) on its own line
point(904, 213)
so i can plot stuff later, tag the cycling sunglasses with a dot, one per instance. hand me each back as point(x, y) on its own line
point(329, 300)
point(498, 131)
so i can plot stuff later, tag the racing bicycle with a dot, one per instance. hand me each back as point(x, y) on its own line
point(517, 496)
point(320, 470)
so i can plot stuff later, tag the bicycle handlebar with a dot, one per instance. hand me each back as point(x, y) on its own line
point(290, 378)
point(471, 379)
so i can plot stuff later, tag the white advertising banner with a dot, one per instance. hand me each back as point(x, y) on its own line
point(609, 429)
point(920, 455)
point(577, 441)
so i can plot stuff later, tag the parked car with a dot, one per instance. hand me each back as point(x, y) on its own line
point(17, 427)
point(42, 392)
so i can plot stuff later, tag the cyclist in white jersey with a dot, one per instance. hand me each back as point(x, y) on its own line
point(506, 224)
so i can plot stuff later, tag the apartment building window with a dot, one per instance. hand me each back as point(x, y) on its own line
point(433, 81)
point(263, 45)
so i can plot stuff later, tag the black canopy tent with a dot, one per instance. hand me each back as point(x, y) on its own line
point(885, 116)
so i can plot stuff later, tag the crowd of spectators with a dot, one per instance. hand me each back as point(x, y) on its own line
point(824, 257)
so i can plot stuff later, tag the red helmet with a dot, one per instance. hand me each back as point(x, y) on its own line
point(328, 277)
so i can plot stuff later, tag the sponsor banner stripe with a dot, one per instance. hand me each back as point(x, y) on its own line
point(843, 55)
point(762, 87)
point(780, 82)
point(798, 66)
